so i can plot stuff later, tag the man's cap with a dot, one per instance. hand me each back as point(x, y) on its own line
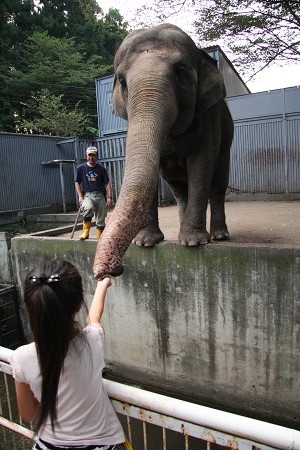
point(91, 150)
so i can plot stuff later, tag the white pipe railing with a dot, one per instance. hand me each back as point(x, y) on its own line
point(244, 427)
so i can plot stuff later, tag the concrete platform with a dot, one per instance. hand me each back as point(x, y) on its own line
point(248, 222)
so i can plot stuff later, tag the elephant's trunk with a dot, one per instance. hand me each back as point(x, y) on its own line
point(145, 139)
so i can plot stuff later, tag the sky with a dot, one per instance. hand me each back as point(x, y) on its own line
point(274, 77)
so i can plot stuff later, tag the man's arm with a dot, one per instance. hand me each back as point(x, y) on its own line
point(108, 194)
point(79, 191)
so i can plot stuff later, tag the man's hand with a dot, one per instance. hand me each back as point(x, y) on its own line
point(109, 202)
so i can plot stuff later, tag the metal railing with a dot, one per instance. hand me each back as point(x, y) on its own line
point(190, 421)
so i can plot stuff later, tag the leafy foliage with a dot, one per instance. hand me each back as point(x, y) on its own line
point(79, 45)
point(257, 33)
point(53, 116)
point(254, 34)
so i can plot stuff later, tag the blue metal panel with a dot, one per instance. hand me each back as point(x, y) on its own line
point(112, 156)
point(108, 122)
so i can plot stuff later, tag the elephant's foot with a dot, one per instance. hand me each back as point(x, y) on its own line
point(147, 237)
point(220, 235)
point(193, 238)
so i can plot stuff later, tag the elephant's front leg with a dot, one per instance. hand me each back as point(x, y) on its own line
point(150, 233)
point(193, 222)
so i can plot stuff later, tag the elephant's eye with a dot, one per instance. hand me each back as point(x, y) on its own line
point(181, 75)
point(122, 82)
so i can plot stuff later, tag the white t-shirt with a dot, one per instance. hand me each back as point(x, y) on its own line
point(85, 415)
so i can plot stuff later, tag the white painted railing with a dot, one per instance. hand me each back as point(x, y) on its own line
point(191, 420)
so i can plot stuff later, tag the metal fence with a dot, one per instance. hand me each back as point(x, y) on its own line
point(157, 422)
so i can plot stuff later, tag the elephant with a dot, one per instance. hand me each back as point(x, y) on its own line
point(179, 126)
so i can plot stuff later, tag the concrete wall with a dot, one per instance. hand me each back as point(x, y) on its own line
point(5, 267)
point(217, 325)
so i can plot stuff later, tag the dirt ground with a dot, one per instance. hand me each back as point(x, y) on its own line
point(273, 222)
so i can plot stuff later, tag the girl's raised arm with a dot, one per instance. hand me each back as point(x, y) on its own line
point(97, 306)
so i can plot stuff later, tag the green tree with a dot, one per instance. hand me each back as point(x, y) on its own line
point(54, 64)
point(111, 32)
point(52, 117)
point(94, 32)
point(79, 46)
point(16, 23)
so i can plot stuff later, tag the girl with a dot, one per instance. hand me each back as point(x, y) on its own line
point(58, 377)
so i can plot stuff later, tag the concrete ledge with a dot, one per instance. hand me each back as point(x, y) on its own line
point(218, 325)
point(235, 196)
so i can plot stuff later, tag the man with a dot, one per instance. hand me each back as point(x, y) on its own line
point(94, 192)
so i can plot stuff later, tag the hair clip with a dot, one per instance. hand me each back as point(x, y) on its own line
point(54, 277)
point(43, 278)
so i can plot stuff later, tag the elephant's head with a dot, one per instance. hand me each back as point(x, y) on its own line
point(162, 83)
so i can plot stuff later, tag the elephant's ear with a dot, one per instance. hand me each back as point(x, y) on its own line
point(119, 107)
point(211, 86)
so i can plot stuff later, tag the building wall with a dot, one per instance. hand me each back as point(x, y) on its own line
point(218, 325)
point(234, 84)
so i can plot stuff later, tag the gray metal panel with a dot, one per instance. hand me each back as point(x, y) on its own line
point(108, 122)
point(293, 151)
point(264, 104)
point(266, 148)
point(25, 181)
point(258, 158)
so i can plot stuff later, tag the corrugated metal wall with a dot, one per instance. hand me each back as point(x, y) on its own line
point(25, 181)
point(265, 155)
point(111, 152)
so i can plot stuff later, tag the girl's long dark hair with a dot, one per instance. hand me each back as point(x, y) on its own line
point(53, 295)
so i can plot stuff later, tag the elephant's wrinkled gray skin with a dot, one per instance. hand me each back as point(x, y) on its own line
point(172, 95)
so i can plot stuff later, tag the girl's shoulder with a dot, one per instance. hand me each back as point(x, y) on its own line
point(24, 359)
point(94, 329)
point(94, 335)
point(24, 351)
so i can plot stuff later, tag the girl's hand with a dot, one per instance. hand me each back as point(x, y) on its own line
point(106, 281)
